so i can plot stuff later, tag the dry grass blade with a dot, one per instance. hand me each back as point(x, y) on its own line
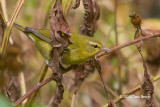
point(73, 99)
point(4, 10)
point(22, 85)
point(67, 6)
point(2, 20)
point(9, 26)
point(2, 26)
point(40, 79)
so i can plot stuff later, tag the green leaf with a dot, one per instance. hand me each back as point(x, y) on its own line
point(4, 102)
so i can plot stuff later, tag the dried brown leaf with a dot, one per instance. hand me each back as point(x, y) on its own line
point(147, 86)
point(82, 72)
point(136, 20)
point(90, 18)
point(136, 36)
point(10, 66)
point(96, 10)
point(59, 29)
point(76, 5)
point(60, 36)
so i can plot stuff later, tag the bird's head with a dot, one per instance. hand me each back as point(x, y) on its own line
point(94, 47)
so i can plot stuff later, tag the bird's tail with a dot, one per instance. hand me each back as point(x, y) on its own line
point(19, 27)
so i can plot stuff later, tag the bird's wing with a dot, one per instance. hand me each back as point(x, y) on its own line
point(71, 47)
point(42, 34)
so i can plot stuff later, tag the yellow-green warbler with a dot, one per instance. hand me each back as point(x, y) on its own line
point(83, 47)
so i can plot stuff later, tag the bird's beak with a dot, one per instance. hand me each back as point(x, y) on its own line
point(107, 50)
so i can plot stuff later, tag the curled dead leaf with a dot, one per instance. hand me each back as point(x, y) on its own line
point(60, 36)
point(147, 86)
point(90, 18)
point(76, 5)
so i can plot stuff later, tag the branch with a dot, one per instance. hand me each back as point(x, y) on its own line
point(41, 77)
point(132, 91)
point(35, 88)
point(39, 85)
point(128, 44)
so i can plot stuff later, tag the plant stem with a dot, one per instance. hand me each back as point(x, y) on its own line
point(115, 21)
point(40, 79)
point(66, 7)
point(39, 85)
point(22, 84)
point(127, 44)
point(73, 100)
point(35, 88)
point(4, 10)
point(9, 26)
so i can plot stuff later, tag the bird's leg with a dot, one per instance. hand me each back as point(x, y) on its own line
point(47, 63)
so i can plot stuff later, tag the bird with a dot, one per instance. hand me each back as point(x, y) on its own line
point(82, 49)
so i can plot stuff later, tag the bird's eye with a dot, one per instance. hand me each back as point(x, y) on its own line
point(95, 46)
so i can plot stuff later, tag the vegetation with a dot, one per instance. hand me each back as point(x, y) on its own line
point(128, 75)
